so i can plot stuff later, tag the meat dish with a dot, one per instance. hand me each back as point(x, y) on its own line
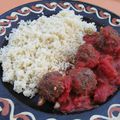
point(93, 78)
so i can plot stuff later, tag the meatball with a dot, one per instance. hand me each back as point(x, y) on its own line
point(51, 86)
point(108, 41)
point(87, 56)
point(83, 81)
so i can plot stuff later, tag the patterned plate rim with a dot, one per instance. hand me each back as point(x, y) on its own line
point(112, 108)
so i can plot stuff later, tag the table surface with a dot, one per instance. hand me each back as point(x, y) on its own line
point(112, 5)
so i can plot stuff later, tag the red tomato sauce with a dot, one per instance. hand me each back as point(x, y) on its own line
point(94, 78)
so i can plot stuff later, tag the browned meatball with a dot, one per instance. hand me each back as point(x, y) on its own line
point(83, 81)
point(108, 41)
point(87, 56)
point(51, 86)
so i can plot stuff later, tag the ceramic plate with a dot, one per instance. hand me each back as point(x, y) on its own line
point(15, 106)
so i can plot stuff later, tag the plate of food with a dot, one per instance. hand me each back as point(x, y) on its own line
point(60, 60)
